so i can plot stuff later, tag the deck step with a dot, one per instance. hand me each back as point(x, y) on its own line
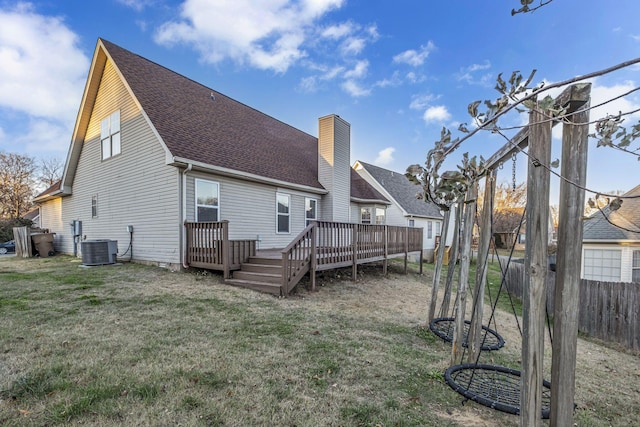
point(262, 268)
point(269, 288)
point(258, 277)
point(265, 260)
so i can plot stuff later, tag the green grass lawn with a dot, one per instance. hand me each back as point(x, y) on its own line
point(137, 345)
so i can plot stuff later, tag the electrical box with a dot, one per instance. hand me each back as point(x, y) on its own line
point(129, 228)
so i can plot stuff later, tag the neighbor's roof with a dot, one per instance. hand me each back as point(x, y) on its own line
point(402, 191)
point(597, 227)
point(50, 192)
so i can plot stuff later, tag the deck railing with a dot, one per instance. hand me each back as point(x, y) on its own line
point(208, 246)
point(327, 245)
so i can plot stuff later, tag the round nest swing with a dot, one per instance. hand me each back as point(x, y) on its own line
point(494, 386)
point(443, 327)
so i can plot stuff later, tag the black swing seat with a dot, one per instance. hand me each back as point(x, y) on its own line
point(443, 327)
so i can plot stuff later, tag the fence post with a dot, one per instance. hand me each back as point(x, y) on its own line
point(225, 250)
point(386, 249)
point(569, 256)
point(533, 314)
point(406, 248)
point(313, 261)
point(354, 269)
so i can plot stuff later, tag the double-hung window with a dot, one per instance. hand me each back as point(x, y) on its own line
point(282, 213)
point(311, 210)
point(380, 214)
point(365, 215)
point(207, 201)
point(110, 135)
point(429, 229)
point(635, 268)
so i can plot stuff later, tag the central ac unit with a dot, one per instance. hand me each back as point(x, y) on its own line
point(99, 252)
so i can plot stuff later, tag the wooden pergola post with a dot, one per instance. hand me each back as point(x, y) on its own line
point(569, 256)
point(438, 266)
point(463, 279)
point(538, 180)
point(453, 258)
point(475, 329)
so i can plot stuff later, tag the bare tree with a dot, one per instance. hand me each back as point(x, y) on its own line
point(50, 171)
point(17, 173)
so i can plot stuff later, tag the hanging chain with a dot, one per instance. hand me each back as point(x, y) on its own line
point(513, 170)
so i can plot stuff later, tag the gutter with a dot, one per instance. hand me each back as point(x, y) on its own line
point(183, 240)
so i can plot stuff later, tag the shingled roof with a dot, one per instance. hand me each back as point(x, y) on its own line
point(624, 219)
point(402, 191)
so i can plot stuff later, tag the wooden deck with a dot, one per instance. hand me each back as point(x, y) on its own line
point(320, 246)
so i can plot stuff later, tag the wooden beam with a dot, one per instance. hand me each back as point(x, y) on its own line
point(475, 329)
point(567, 287)
point(453, 259)
point(438, 265)
point(533, 313)
point(463, 279)
point(572, 98)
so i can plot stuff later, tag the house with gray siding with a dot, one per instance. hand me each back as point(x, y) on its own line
point(406, 208)
point(152, 149)
point(611, 242)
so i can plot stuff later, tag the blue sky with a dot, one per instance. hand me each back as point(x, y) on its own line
point(396, 70)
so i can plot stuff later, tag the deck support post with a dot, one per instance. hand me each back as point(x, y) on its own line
point(386, 250)
point(226, 250)
point(354, 270)
point(312, 257)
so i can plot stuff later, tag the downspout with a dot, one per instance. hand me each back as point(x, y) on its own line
point(184, 214)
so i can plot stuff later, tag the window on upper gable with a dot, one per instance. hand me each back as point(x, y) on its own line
point(110, 135)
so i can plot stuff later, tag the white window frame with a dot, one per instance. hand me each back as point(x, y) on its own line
point(635, 265)
point(94, 206)
point(287, 214)
point(307, 207)
point(438, 228)
point(602, 264)
point(362, 216)
point(412, 223)
point(204, 205)
point(429, 230)
point(110, 136)
point(381, 219)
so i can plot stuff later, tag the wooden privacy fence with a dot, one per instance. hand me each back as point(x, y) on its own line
point(208, 246)
point(609, 311)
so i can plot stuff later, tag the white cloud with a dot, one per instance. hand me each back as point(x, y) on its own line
point(354, 88)
point(338, 31)
point(385, 156)
point(42, 78)
point(470, 74)
point(43, 69)
point(358, 71)
point(414, 58)
point(308, 84)
point(438, 113)
point(420, 102)
point(267, 34)
point(353, 46)
point(394, 81)
point(137, 5)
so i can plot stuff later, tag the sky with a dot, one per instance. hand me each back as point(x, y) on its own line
point(398, 71)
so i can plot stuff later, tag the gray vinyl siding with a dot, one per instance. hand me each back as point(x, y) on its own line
point(250, 209)
point(334, 170)
point(134, 188)
point(51, 219)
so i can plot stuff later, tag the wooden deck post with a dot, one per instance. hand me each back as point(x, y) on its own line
point(475, 329)
point(386, 250)
point(312, 257)
point(438, 265)
point(463, 279)
point(536, 269)
point(568, 263)
point(226, 250)
point(354, 270)
point(453, 259)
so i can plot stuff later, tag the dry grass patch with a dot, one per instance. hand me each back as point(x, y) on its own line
point(135, 345)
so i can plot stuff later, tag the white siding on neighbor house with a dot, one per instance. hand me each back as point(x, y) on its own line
point(134, 188)
point(334, 170)
point(51, 219)
point(250, 209)
point(626, 257)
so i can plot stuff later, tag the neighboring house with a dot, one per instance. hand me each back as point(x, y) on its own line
point(611, 252)
point(34, 216)
point(405, 209)
point(152, 149)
